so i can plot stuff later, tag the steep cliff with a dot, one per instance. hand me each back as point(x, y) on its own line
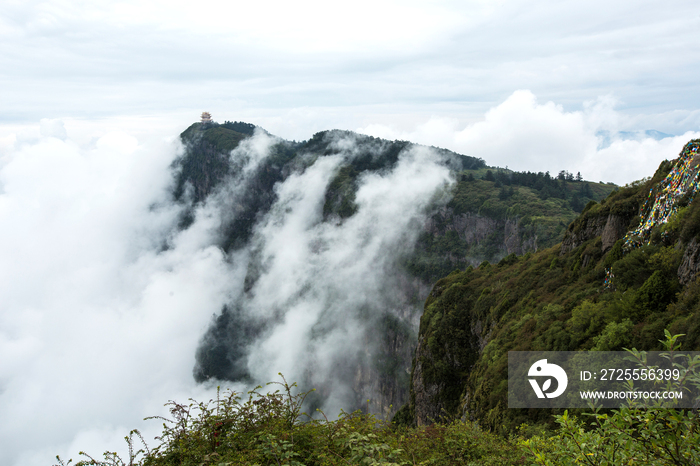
point(484, 214)
point(625, 270)
point(487, 220)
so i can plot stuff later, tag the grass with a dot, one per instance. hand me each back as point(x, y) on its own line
point(269, 428)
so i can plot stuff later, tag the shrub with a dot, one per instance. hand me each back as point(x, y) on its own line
point(271, 429)
point(626, 436)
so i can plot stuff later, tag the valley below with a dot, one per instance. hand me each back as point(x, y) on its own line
point(387, 282)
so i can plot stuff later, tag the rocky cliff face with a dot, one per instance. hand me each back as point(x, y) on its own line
point(609, 228)
point(486, 222)
point(626, 269)
point(690, 263)
point(381, 379)
point(615, 228)
point(449, 344)
point(427, 407)
point(474, 229)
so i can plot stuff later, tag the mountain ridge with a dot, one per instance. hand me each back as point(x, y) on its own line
point(622, 274)
point(488, 214)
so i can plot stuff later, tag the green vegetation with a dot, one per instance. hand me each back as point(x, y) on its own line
point(206, 162)
point(270, 429)
point(340, 195)
point(588, 293)
point(555, 300)
point(628, 435)
point(504, 203)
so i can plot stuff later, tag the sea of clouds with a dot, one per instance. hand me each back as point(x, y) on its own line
point(96, 329)
point(103, 301)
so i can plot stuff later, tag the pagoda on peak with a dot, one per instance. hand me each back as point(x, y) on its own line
point(206, 117)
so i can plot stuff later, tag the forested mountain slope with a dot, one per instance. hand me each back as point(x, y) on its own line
point(619, 274)
point(490, 212)
point(366, 253)
point(625, 271)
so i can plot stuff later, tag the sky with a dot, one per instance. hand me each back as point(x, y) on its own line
point(528, 84)
point(95, 324)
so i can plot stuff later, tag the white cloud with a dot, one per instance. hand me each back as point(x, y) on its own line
point(628, 160)
point(97, 326)
point(319, 288)
point(81, 235)
point(53, 128)
point(526, 135)
point(102, 324)
point(345, 63)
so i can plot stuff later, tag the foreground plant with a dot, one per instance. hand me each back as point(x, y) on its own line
point(271, 429)
point(630, 435)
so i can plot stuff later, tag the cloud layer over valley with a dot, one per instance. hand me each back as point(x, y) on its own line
point(97, 328)
point(106, 300)
point(110, 307)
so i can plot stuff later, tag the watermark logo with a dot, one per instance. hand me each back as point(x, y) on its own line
point(606, 379)
point(542, 369)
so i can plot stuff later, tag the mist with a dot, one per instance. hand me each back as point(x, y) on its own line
point(110, 307)
point(99, 322)
point(310, 291)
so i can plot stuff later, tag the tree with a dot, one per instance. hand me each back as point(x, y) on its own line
point(586, 191)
